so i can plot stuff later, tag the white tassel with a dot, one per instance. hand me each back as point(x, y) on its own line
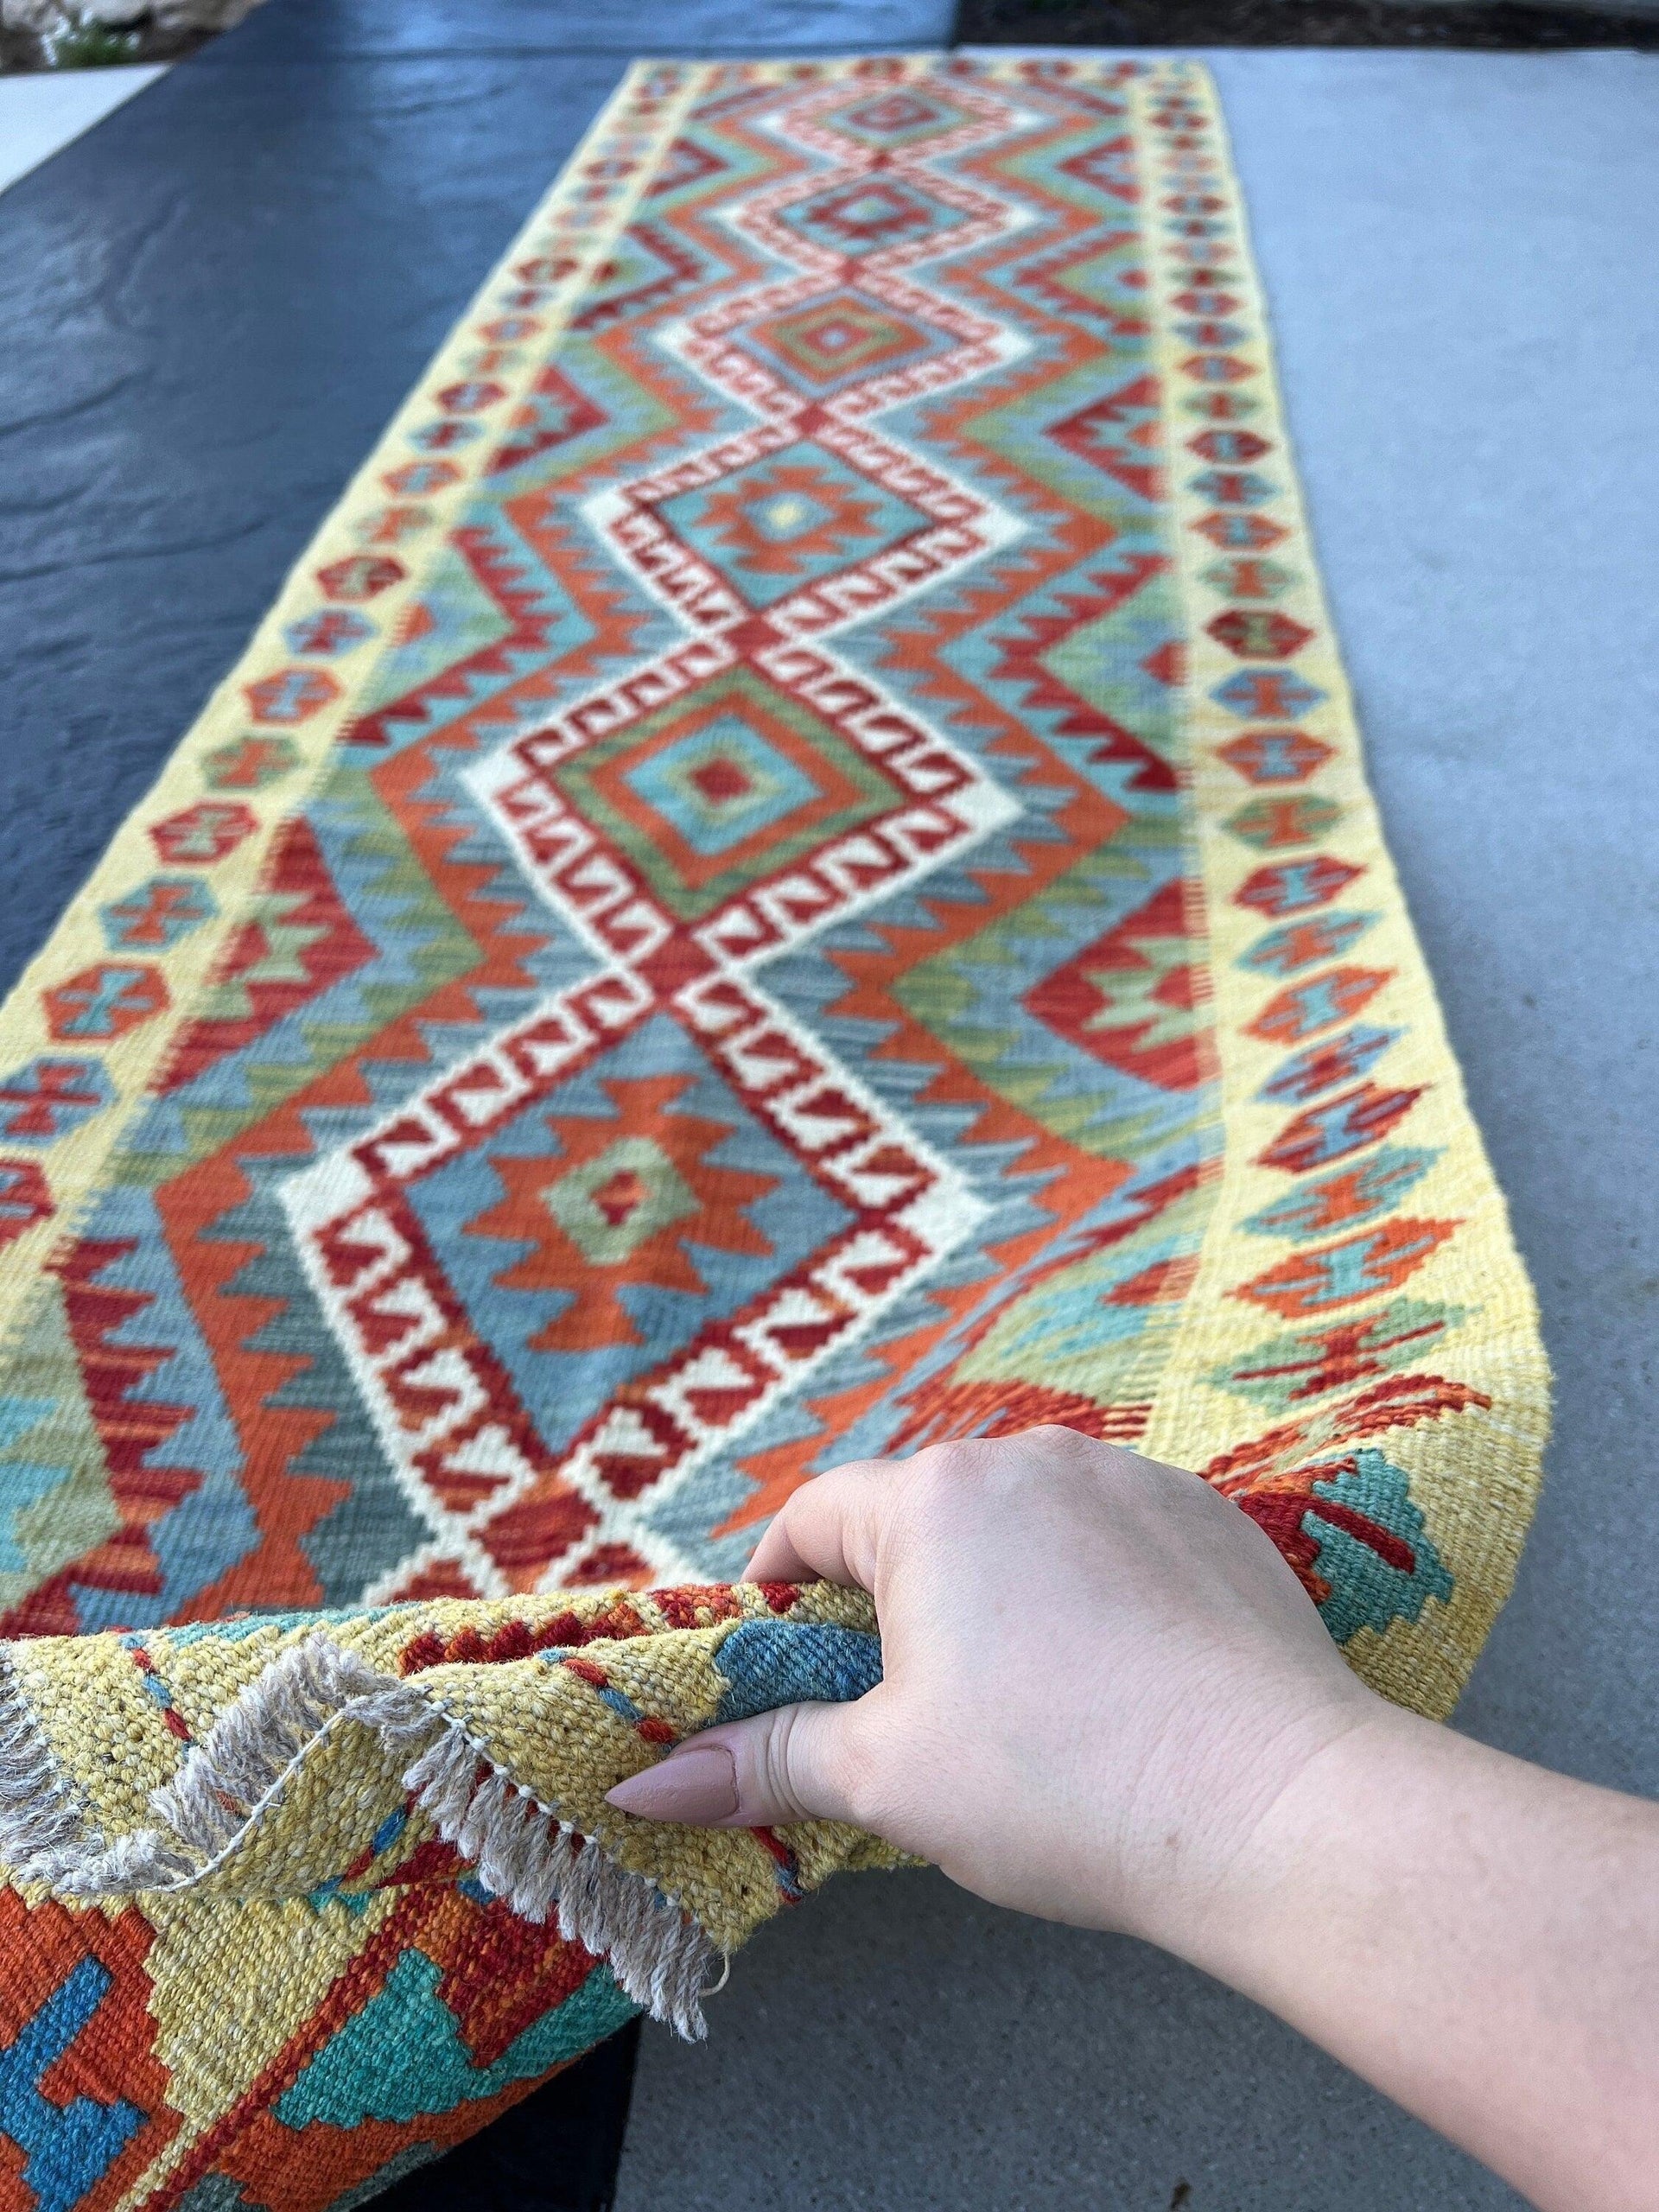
point(529, 1857)
point(525, 1854)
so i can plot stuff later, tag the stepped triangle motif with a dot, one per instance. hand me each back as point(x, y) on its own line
point(790, 880)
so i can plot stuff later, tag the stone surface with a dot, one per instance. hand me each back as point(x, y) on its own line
point(114, 15)
point(51, 17)
point(30, 15)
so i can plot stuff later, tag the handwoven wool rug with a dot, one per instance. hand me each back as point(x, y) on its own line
point(789, 878)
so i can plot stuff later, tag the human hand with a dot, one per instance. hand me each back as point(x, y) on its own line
point(1107, 1699)
point(1098, 1674)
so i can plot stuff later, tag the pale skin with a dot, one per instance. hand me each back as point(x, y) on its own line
point(1108, 1700)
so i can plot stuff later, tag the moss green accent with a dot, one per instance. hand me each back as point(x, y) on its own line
point(53, 1455)
point(951, 996)
point(394, 896)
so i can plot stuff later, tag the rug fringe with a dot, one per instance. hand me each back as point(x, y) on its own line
point(537, 1863)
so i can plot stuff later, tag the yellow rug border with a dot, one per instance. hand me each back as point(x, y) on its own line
point(1475, 1474)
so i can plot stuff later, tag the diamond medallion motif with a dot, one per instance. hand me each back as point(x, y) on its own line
point(792, 519)
point(838, 341)
point(610, 1206)
point(904, 116)
point(866, 215)
point(718, 791)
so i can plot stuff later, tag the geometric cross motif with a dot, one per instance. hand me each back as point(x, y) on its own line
point(1301, 1008)
point(332, 631)
point(248, 764)
point(1276, 756)
point(104, 1002)
point(47, 1099)
point(1267, 692)
point(1299, 820)
point(25, 1199)
point(203, 832)
point(158, 914)
point(1292, 886)
point(293, 695)
point(360, 577)
point(1257, 633)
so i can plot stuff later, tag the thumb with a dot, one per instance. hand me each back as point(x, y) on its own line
point(794, 1763)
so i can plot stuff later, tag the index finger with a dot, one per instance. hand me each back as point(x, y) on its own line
point(829, 1529)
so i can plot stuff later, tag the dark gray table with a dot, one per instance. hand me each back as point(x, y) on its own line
point(207, 308)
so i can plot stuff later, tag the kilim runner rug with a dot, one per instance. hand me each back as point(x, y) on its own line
point(789, 878)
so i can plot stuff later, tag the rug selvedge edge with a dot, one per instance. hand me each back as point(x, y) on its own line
point(1467, 1453)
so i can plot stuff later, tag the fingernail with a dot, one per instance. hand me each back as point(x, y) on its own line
point(697, 1784)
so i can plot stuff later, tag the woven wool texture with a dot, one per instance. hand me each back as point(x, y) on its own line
point(789, 878)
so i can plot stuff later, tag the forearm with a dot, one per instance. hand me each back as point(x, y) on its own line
point(1477, 1938)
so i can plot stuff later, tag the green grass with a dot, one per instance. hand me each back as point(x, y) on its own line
point(89, 46)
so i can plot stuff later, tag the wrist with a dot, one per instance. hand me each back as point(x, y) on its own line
point(1302, 1859)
